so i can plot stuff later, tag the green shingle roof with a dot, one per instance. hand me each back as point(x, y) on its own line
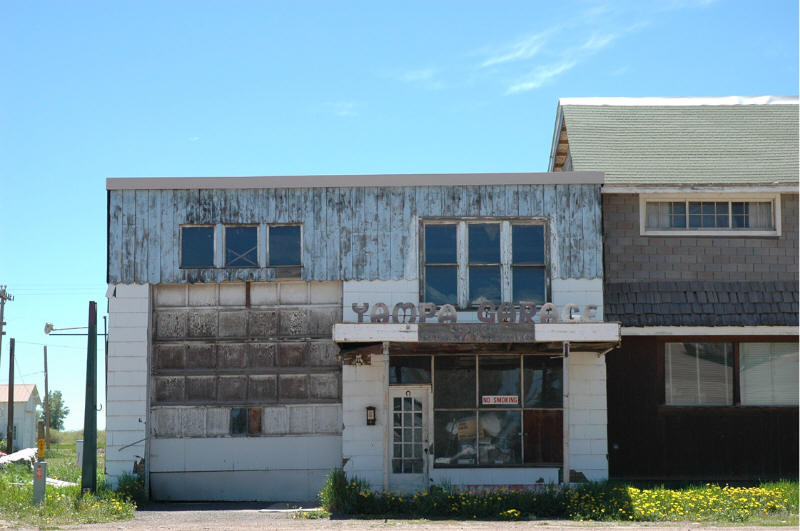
point(635, 143)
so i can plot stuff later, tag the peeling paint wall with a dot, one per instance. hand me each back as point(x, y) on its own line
point(348, 233)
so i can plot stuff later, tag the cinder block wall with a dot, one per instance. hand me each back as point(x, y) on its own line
point(126, 400)
point(588, 417)
point(629, 256)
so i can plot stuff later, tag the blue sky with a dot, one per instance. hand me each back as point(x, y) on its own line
point(90, 90)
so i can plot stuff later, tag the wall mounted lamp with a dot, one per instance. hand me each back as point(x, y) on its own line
point(370, 415)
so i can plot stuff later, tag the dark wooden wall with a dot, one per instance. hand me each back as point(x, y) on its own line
point(648, 440)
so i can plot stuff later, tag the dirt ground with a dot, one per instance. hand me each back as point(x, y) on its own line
point(280, 516)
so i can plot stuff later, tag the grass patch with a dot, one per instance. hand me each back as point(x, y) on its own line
point(768, 503)
point(65, 505)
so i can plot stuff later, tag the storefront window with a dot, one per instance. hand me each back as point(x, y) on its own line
point(487, 429)
point(454, 386)
point(543, 385)
point(410, 370)
point(699, 374)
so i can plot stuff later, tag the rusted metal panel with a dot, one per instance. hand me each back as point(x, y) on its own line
point(365, 233)
point(476, 333)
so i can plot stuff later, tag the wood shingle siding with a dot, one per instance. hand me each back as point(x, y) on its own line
point(358, 233)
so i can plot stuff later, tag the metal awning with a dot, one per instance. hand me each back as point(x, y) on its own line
point(364, 339)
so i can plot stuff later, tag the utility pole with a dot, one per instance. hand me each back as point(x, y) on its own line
point(10, 430)
point(4, 296)
point(89, 468)
point(46, 403)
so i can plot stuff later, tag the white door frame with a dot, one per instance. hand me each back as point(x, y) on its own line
point(410, 482)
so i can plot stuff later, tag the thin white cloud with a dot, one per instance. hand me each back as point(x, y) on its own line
point(194, 138)
point(427, 78)
point(540, 76)
point(598, 42)
point(343, 109)
point(524, 48)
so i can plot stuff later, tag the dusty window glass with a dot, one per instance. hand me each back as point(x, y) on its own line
point(454, 385)
point(698, 373)
point(197, 246)
point(484, 263)
point(239, 421)
point(285, 245)
point(543, 382)
point(544, 436)
point(407, 429)
point(441, 277)
point(528, 263)
point(498, 382)
point(455, 437)
point(768, 374)
point(409, 369)
point(708, 214)
point(752, 215)
point(666, 214)
point(241, 246)
point(499, 441)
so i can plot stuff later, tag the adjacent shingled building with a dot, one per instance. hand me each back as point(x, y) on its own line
point(679, 140)
point(700, 238)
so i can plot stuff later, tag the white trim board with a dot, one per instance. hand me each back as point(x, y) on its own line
point(336, 181)
point(658, 102)
point(710, 331)
point(700, 189)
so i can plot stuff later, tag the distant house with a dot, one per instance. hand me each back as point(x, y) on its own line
point(700, 239)
point(26, 399)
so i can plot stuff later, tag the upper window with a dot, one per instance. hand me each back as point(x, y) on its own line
point(241, 246)
point(710, 214)
point(469, 263)
point(197, 246)
point(285, 245)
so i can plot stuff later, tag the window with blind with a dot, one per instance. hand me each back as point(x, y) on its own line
point(713, 215)
point(768, 374)
point(698, 374)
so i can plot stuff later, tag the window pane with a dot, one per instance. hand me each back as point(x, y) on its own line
point(544, 436)
point(197, 246)
point(440, 244)
point(529, 284)
point(740, 218)
point(527, 244)
point(239, 421)
point(455, 436)
point(241, 246)
point(484, 284)
point(484, 243)
point(768, 373)
point(698, 373)
point(543, 381)
point(285, 246)
point(454, 385)
point(441, 284)
point(761, 216)
point(499, 440)
point(498, 381)
point(254, 421)
point(409, 369)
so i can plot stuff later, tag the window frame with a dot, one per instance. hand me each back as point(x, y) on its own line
point(506, 255)
point(774, 198)
point(213, 228)
point(225, 228)
point(736, 342)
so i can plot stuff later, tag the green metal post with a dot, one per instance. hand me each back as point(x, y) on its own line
point(89, 468)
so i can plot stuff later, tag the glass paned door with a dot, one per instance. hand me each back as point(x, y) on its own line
point(408, 438)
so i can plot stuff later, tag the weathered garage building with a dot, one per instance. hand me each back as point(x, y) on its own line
point(253, 345)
